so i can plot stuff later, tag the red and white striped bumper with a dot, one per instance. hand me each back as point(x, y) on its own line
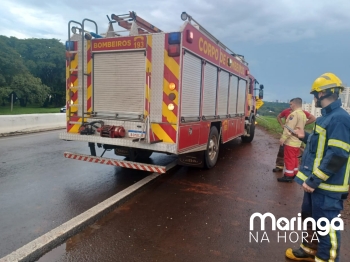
point(115, 162)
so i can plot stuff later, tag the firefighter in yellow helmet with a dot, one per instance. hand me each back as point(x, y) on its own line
point(327, 84)
point(324, 172)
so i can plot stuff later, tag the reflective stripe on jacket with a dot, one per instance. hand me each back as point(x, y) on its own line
point(325, 164)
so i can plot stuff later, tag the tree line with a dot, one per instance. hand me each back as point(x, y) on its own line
point(32, 71)
point(272, 108)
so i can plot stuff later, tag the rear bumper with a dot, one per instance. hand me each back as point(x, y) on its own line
point(125, 142)
point(120, 163)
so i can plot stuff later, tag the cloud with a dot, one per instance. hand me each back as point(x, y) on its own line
point(28, 22)
point(234, 20)
point(279, 38)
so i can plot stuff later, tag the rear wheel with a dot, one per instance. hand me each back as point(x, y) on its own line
point(212, 152)
point(248, 139)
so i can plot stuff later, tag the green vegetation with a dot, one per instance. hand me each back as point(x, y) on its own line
point(17, 110)
point(272, 109)
point(267, 117)
point(33, 71)
point(271, 124)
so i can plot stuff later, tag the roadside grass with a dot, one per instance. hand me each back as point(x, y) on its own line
point(17, 110)
point(271, 125)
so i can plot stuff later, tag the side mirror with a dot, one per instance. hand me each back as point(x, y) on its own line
point(261, 94)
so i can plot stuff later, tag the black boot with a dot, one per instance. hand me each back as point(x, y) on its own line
point(299, 255)
point(285, 179)
point(277, 169)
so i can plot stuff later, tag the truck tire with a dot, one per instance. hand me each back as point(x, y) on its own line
point(212, 152)
point(248, 139)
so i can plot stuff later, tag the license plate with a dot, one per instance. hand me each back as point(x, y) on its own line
point(136, 134)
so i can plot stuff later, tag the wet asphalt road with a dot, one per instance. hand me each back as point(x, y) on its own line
point(40, 189)
point(198, 215)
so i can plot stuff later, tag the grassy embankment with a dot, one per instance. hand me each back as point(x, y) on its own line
point(272, 126)
point(17, 110)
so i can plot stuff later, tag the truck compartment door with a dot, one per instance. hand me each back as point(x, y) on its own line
point(209, 90)
point(119, 82)
point(242, 92)
point(223, 93)
point(191, 85)
point(232, 110)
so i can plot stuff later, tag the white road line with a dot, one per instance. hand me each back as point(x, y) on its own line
point(38, 247)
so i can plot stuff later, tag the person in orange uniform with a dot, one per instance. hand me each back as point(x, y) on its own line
point(295, 120)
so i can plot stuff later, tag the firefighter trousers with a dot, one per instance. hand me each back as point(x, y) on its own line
point(291, 161)
point(317, 205)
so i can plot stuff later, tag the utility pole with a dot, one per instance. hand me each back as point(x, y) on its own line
point(11, 102)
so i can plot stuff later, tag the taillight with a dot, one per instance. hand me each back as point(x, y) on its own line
point(172, 86)
point(174, 40)
point(69, 55)
point(189, 36)
point(174, 50)
point(172, 96)
point(171, 107)
point(71, 47)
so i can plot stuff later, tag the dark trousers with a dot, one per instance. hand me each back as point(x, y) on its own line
point(318, 206)
point(280, 158)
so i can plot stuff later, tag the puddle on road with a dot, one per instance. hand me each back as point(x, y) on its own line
point(55, 253)
point(201, 188)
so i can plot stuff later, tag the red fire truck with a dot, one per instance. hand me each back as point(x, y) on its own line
point(140, 90)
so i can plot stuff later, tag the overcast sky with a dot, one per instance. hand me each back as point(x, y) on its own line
point(287, 43)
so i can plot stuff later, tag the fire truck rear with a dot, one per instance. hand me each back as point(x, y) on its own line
point(141, 90)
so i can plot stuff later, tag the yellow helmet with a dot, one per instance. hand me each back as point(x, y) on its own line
point(327, 81)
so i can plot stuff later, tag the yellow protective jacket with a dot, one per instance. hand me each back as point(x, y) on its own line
point(296, 119)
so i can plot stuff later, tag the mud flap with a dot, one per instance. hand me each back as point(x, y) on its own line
point(194, 159)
